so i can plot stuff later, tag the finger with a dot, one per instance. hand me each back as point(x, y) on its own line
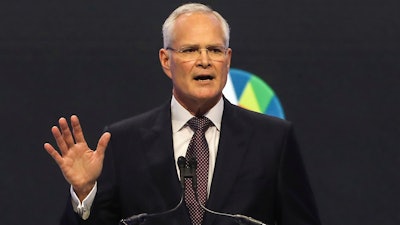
point(60, 140)
point(103, 142)
point(66, 132)
point(77, 129)
point(53, 153)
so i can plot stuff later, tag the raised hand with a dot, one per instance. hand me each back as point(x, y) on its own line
point(80, 165)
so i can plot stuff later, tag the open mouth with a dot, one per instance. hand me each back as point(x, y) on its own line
point(204, 77)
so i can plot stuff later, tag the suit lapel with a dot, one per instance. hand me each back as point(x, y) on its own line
point(234, 137)
point(160, 159)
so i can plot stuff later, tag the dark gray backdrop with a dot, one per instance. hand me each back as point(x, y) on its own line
point(334, 64)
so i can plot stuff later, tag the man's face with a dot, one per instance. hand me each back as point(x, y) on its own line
point(202, 79)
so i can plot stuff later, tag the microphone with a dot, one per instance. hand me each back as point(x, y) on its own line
point(240, 219)
point(184, 171)
point(187, 169)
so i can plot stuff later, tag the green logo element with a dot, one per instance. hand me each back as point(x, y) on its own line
point(251, 92)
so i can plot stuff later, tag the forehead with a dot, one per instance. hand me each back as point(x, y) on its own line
point(198, 29)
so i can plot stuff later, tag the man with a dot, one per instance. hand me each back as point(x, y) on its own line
point(255, 168)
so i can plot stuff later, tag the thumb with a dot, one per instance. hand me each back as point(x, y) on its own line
point(103, 142)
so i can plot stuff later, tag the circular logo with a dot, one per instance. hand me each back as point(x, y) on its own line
point(251, 92)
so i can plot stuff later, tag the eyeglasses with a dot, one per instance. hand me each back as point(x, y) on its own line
point(216, 53)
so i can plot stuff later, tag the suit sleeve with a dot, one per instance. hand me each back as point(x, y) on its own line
point(296, 201)
point(105, 209)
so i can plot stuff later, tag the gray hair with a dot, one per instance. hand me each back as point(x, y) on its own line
point(168, 26)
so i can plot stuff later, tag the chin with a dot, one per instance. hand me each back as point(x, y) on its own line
point(208, 96)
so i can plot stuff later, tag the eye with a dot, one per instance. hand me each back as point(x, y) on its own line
point(216, 50)
point(188, 50)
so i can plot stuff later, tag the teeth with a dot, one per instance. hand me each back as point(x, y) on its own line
point(203, 78)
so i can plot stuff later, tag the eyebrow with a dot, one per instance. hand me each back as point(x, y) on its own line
point(198, 46)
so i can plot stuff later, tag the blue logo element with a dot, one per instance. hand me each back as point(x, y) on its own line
point(251, 92)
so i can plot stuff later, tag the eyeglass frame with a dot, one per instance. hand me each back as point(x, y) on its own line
point(198, 51)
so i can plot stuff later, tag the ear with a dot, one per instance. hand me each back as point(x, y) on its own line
point(165, 61)
point(229, 57)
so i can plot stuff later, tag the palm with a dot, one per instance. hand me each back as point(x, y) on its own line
point(80, 165)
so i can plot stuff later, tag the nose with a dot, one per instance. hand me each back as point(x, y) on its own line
point(204, 59)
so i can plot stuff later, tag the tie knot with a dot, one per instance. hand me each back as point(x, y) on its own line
point(200, 123)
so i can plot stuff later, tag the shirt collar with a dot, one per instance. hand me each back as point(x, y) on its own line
point(180, 115)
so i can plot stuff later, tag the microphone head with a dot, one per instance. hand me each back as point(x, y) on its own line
point(181, 162)
point(135, 219)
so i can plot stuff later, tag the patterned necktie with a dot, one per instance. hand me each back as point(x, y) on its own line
point(198, 149)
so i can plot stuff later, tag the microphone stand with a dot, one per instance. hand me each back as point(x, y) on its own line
point(189, 172)
point(141, 218)
point(240, 219)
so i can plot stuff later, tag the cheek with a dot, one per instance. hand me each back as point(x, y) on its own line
point(224, 74)
point(179, 78)
point(181, 67)
point(223, 81)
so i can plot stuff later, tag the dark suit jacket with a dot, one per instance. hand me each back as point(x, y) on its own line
point(259, 172)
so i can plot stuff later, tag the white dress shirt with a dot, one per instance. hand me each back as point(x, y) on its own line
point(182, 133)
point(181, 136)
